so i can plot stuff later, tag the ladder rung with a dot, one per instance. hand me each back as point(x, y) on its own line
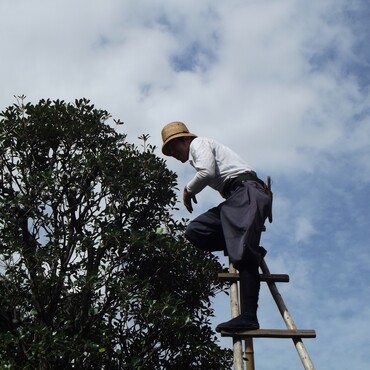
point(269, 333)
point(277, 278)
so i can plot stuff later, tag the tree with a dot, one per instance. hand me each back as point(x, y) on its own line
point(88, 279)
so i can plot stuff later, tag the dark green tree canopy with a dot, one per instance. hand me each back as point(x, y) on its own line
point(88, 279)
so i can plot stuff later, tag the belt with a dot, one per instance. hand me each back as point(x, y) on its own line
point(233, 183)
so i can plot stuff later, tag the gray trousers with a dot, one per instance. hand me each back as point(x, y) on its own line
point(235, 227)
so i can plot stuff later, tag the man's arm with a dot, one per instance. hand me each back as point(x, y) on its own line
point(203, 160)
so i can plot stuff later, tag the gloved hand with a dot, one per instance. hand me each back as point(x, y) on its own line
point(187, 197)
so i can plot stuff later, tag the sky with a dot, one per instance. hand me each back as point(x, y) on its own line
point(284, 83)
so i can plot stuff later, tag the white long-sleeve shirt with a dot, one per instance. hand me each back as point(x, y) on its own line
point(215, 164)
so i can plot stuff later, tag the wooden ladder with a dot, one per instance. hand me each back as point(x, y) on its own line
point(247, 335)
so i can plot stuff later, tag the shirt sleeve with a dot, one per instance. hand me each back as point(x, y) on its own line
point(203, 160)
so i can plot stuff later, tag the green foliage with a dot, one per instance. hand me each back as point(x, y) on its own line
point(88, 278)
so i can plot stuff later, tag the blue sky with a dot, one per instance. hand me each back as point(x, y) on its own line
point(284, 83)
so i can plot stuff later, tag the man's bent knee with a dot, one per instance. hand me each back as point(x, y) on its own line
point(191, 235)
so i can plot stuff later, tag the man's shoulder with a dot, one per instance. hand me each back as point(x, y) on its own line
point(202, 143)
point(199, 140)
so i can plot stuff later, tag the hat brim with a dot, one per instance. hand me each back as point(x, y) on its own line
point(165, 150)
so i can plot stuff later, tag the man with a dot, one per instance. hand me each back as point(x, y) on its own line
point(235, 225)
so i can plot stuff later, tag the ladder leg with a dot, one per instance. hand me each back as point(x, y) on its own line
point(300, 347)
point(248, 342)
point(234, 303)
point(249, 353)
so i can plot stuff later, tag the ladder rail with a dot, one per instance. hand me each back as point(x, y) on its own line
point(234, 304)
point(298, 343)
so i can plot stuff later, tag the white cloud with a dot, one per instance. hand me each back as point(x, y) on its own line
point(304, 230)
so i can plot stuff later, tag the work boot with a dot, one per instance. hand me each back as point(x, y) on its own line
point(245, 321)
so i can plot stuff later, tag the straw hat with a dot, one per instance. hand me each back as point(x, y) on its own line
point(172, 131)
